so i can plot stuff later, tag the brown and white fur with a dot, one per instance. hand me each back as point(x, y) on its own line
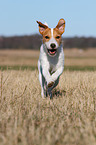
point(51, 59)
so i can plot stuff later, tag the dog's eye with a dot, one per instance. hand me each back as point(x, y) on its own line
point(57, 37)
point(47, 37)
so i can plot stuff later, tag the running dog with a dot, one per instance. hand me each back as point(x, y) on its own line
point(51, 59)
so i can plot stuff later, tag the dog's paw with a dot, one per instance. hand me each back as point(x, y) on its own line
point(50, 84)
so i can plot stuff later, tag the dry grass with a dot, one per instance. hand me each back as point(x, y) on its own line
point(80, 57)
point(27, 119)
point(19, 57)
point(30, 57)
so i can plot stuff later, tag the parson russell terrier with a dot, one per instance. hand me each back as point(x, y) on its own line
point(51, 59)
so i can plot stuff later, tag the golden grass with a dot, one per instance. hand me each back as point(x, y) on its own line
point(80, 57)
point(18, 57)
point(27, 119)
point(30, 57)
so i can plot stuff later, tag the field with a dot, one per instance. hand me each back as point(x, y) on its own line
point(27, 119)
point(74, 59)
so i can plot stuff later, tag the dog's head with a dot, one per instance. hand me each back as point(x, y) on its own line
point(52, 36)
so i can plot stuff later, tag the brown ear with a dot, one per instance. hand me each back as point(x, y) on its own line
point(61, 26)
point(42, 27)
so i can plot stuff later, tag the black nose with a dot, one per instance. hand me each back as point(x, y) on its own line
point(53, 45)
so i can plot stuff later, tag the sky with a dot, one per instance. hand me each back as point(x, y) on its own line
point(18, 17)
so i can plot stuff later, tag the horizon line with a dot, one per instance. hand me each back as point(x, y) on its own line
point(21, 35)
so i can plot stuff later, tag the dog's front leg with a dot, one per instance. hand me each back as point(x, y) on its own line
point(56, 75)
point(49, 81)
point(48, 77)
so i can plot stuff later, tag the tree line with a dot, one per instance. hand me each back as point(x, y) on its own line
point(34, 42)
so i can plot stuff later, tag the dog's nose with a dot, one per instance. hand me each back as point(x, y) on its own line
point(53, 45)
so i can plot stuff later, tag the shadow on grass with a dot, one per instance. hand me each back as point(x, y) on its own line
point(80, 68)
point(17, 68)
point(57, 93)
point(69, 68)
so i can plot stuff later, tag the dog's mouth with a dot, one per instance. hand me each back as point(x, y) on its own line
point(52, 52)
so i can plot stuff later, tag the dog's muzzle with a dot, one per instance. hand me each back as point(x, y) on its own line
point(52, 52)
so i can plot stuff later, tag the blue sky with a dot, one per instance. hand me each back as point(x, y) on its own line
point(18, 17)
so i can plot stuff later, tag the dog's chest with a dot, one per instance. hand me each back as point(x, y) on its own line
point(54, 64)
point(51, 63)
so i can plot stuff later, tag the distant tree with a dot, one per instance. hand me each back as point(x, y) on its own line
point(34, 42)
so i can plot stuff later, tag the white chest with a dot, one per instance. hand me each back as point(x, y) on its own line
point(52, 63)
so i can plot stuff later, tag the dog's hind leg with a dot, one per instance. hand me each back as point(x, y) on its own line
point(52, 87)
point(50, 93)
point(56, 83)
point(49, 90)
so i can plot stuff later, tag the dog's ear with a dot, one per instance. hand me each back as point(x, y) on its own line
point(42, 27)
point(61, 26)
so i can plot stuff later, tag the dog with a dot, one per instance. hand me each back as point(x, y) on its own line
point(51, 59)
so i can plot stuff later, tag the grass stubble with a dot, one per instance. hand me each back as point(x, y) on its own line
point(27, 119)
